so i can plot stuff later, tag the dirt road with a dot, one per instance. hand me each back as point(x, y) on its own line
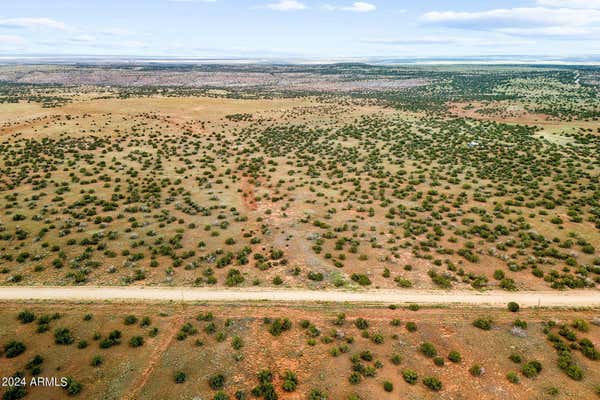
point(491, 299)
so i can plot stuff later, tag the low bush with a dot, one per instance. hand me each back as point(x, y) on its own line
point(180, 377)
point(280, 325)
point(476, 370)
point(483, 323)
point(361, 323)
point(72, 387)
point(455, 357)
point(531, 369)
point(512, 377)
point(428, 349)
point(410, 376)
point(26, 317)
point(136, 341)
point(13, 349)
point(388, 386)
point(432, 383)
point(216, 381)
point(63, 336)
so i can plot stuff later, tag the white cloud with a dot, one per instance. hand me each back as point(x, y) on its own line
point(565, 32)
point(115, 32)
point(483, 39)
point(31, 23)
point(6, 40)
point(570, 3)
point(358, 6)
point(83, 39)
point(514, 18)
point(192, 1)
point(408, 41)
point(286, 5)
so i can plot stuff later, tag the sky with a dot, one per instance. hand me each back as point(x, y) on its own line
point(300, 28)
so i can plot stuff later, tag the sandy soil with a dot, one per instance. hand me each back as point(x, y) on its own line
point(492, 298)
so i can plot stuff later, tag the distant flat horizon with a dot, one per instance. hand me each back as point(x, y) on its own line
point(373, 60)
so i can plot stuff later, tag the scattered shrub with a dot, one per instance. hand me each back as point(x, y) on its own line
point(72, 387)
point(388, 386)
point(432, 383)
point(483, 323)
point(428, 349)
point(180, 377)
point(455, 357)
point(13, 349)
point(476, 370)
point(410, 376)
point(512, 377)
point(531, 369)
point(216, 381)
point(26, 317)
point(63, 336)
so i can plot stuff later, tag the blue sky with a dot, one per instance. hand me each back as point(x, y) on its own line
point(300, 28)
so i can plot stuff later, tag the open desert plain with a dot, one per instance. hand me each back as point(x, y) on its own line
point(340, 232)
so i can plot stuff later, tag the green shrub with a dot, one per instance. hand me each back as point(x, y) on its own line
point(428, 349)
point(136, 341)
point(520, 323)
point(432, 383)
point(512, 377)
point(361, 279)
point(316, 394)
point(26, 317)
point(113, 339)
point(96, 361)
point(516, 358)
point(63, 336)
point(410, 376)
point(280, 325)
point(513, 307)
point(354, 378)
point(237, 343)
point(361, 323)
point(265, 376)
point(180, 377)
point(234, 277)
point(455, 357)
point(14, 393)
point(290, 381)
point(220, 396)
point(216, 381)
point(476, 370)
point(388, 386)
point(531, 369)
point(13, 348)
point(72, 387)
point(567, 364)
point(483, 323)
point(377, 338)
point(581, 325)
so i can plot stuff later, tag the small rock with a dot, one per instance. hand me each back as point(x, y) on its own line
point(519, 332)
